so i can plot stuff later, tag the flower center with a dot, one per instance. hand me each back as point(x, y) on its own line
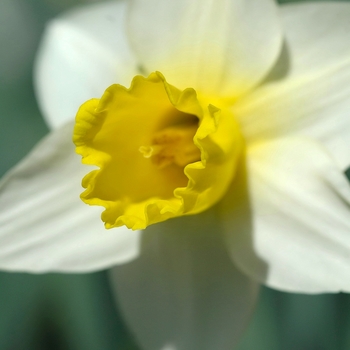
point(173, 145)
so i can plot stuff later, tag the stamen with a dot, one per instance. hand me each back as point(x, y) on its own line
point(173, 145)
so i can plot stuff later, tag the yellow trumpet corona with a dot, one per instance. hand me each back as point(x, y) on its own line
point(160, 152)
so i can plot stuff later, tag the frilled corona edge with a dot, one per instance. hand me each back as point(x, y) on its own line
point(161, 153)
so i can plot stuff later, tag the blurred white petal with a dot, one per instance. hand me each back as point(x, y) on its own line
point(308, 92)
point(183, 292)
point(81, 54)
point(219, 47)
point(298, 239)
point(44, 224)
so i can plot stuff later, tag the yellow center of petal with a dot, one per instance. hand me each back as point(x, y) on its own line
point(160, 152)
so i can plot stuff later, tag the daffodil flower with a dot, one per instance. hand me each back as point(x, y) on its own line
point(230, 147)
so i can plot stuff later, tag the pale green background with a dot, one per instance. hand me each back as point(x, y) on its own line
point(60, 311)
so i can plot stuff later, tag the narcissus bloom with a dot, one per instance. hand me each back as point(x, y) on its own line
point(230, 147)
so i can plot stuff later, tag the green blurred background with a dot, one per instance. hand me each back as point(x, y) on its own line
point(77, 312)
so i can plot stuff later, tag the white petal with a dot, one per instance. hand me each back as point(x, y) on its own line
point(44, 226)
point(81, 54)
point(217, 47)
point(299, 235)
point(184, 292)
point(308, 93)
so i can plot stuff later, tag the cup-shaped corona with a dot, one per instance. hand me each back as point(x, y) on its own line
point(160, 152)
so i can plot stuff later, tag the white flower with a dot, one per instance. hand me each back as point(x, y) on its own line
point(285, 220)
